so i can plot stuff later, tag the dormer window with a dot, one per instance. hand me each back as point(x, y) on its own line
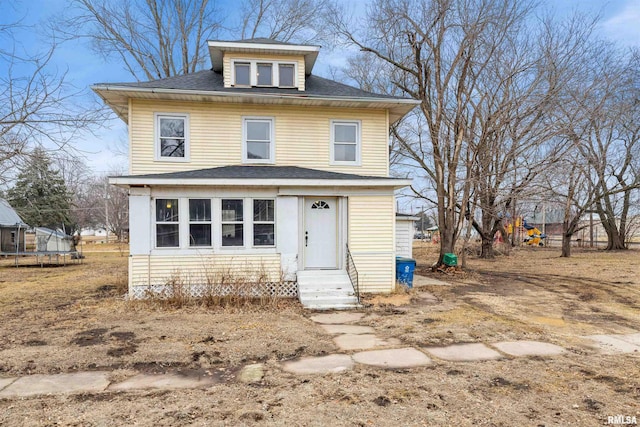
point(286, 72)
point(243, 73)
point(264, 73)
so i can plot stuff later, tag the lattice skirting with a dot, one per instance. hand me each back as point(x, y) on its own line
point(272, 289)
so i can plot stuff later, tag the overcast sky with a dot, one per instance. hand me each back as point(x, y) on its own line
point(620, 22)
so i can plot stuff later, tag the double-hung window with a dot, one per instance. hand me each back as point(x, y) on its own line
point(232, 222)
point(172, 137)
point(242, 71)
point(258, 144)
point(199, 222)
point(263, 222)
point(265, 74)
point(345, 142)
point(167, 223)
point(286, 75)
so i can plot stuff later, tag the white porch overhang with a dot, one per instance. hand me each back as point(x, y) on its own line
point(288, 186)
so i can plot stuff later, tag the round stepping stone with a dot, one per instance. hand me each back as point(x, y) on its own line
point(464, 352)
point(529, 348)
point(337, 318)
point(251, 374)
point(332, 364)
point(348, 329)
point(395, 358)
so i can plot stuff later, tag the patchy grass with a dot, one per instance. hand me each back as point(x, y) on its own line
point(65, 319)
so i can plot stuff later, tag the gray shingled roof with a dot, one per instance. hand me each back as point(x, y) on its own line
point(8, 216)
point(208, 80)
point(265, 40)
point(258, 172)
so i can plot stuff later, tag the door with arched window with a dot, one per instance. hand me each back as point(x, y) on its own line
point(320, 233)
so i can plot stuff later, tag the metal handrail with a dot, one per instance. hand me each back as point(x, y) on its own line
point(352, 271)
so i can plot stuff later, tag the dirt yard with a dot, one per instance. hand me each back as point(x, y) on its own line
point(73, 318)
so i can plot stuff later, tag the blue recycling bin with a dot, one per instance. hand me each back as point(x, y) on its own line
point(404, 270)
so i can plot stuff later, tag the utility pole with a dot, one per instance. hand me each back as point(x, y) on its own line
point(106, 210)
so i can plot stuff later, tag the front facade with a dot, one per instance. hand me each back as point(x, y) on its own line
point(259, 171)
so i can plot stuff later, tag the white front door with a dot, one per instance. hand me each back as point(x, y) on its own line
point(320, 232)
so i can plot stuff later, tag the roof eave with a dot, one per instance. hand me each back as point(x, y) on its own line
point(398, 106)
point(128, 181)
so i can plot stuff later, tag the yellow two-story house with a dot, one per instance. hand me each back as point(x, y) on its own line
point(258, 171)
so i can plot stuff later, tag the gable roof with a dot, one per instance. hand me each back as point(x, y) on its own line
point(8, 215)
point(258, 175)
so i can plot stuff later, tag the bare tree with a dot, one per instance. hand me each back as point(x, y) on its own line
point(511, 137)
point(37, 106)
point(601, 114)
point(152, 38)
point(284, 20)
point(437, 52)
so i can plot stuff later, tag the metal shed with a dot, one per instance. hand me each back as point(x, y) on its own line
point(48, 240)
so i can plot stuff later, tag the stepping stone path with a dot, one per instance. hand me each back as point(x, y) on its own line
point(529, 348)
point(351, 337)
point(348, 337)
point(464, 352)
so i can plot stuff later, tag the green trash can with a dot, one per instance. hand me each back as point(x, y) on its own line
point(404, 270)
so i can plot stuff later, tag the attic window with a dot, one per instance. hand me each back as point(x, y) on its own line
point(263, 73)
point(243, 73)
point(286, 75)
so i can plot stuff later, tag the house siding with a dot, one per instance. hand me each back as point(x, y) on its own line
point(230, 56)
point(302, 136)
point(371, 241)
point(404, 238)
point(157, 270)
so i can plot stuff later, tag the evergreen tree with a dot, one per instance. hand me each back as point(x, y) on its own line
point(40, 195)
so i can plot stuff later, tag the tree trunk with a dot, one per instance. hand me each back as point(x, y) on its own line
point(566, 245)
point(487, 248)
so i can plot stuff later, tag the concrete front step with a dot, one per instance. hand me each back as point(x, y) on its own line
point(326, 289)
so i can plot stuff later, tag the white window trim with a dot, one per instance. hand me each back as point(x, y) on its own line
point(155, 222)
point(233, 72)
point(189, 222)
point(275, 72)
point(358, 144)
point(156, 136)
point(272, 146)
point(243, 222)
point(254, 222)
point(216, 219)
